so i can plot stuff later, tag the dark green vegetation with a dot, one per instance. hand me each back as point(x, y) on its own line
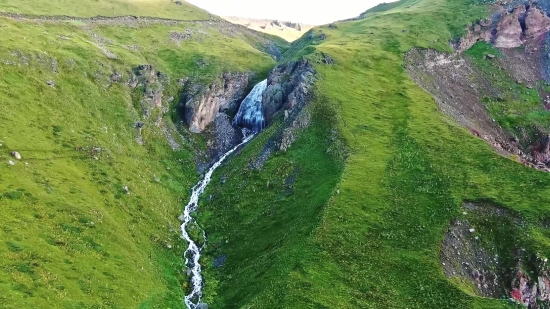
point(70, 234)
point(372, 240)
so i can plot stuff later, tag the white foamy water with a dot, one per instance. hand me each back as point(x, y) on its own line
point(250, 113)
point(193, 253)
point(251, 117)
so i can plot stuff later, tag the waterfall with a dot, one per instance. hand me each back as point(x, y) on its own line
point(251, 117)
point(250, 113)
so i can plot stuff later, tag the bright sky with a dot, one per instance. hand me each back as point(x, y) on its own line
point(314, 12)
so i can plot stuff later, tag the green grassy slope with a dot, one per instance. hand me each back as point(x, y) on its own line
point(371, 236)
point(153, 8)
point(70, 235)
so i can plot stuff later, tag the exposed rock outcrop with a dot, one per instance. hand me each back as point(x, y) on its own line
point(288, 93)
point(458, 87)
point(536, 22)
point(288, 87)
point(509, 30)
point(508, 27)
point(469, 253)
point(153, 83)
point(200, 105)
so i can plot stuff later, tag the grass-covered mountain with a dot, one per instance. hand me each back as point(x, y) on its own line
point(391, 178)
point(90, 213)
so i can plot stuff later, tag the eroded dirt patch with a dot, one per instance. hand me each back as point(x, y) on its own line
point(486, 251)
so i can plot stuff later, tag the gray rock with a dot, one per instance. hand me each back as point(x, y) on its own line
point(327, 59)
point(200, 104)
point(116, 77)
point(202, 306)
point(288, 87)
point(178, 3)
point(16, 155)
point(10, 162)
point(54, 65)
point(50, 83)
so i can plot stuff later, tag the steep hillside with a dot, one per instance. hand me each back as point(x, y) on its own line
point(287, 30)
point(383, 200)
point(91, 200)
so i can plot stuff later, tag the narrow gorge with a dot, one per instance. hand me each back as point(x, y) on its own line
point(250, 117)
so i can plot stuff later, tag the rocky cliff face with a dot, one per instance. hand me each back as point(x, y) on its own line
point(288, 88)
point(199, 104)
point(509, 26)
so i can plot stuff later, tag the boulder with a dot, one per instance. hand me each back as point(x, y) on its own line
point(16, 155)
point(202, 306)
point(509, 29)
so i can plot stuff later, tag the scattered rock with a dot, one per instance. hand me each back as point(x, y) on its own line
point(10, 162)
point(202, 306)
point(490, 56)
point(332, 26)
point(322, 37)
point(126, 189)
point(178, 37)
point(50, 83)
point(327, 59)
point(178, 3)
point(16, 155)
point(153, 82)
point(116, 77)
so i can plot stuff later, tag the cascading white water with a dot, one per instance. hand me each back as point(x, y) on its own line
point(250, 113)
point(193, 252)
point(251, 117)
